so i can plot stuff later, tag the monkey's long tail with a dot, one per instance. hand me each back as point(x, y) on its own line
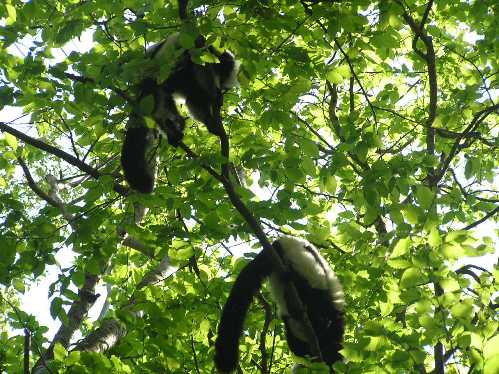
point(139, 173)
point(230, 328)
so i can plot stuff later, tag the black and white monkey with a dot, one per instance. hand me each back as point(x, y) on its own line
point(201, 86)
point(317, 286)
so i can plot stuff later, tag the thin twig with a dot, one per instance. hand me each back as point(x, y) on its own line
point(263, 334)
point(34, 187)
point(482, 220)
point(475, 122)
point(194, 355)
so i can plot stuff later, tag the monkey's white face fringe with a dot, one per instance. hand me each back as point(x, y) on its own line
point(231, 81)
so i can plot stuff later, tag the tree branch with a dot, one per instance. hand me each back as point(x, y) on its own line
point(264, 367)
point(34, 187)
point(50, 149)
point(70, 159)
point(475, 122)
point(482, 220)
point(76, 314)
point(430, 60)
point(277, 264)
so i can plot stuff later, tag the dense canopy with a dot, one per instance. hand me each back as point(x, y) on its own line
point(370, 128)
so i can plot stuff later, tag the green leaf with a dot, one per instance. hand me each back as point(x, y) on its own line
point(308, 166)
point(472, 167)
point(73, 358)
point(396, 215)
point(425, 196)
point(399, 263)
point(11, 13)
point(463, 310)
point(56, 307)
point(19, 285)
point(491, 356)
point(6, 97)
point(78, 278)
point(412, 277)
point(453, 251)
point(401, 247)
point(412, 214)
point(60, 352)
point(434, 238)
point(450, 285)
point(173, 364)
point(329, 184)
point(11, 140)
point(309, 148)
point(146, 105)
point(334, 77)
point(371, 194)
point(424, 306)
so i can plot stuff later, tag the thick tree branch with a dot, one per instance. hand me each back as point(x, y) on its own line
point(76, 314)
point(70, 159)
point(109, 333)
point(50, 149)
point(295, 303)
point(430, 60)
point(104, 338)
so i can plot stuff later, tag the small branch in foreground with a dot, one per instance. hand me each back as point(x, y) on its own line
point(81, 79)
point(466, 270)
point(194, 354)
point(438, 349)
point(354, 74)
point(27, 348)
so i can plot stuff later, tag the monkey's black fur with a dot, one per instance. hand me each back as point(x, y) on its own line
point(134, 158)
point(230, 327)
point(202, 87)
point(319, 291)
point(165, 112)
